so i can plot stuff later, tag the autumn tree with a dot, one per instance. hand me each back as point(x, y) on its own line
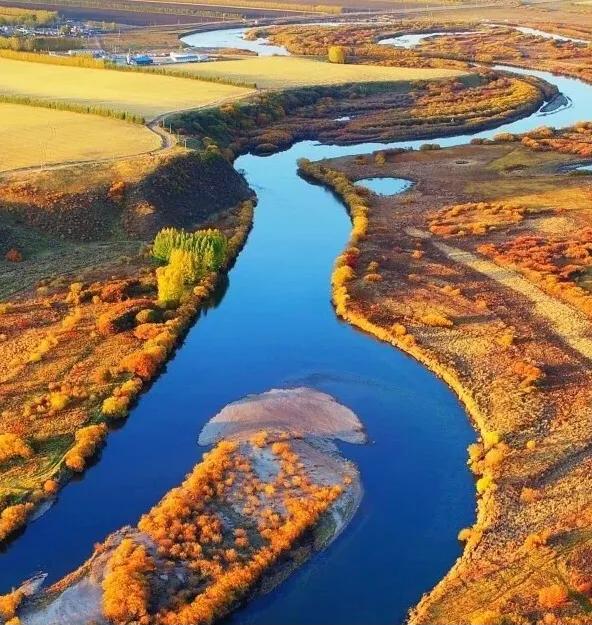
point(126, 585)
point(336, 54)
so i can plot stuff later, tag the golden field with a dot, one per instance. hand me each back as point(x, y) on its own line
point(33, 136)
point(139, 93)
point(277, 72)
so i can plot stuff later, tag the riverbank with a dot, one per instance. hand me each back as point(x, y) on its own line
point(472, 324)
point(90, 330)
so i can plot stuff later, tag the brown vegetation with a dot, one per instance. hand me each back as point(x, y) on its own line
point(378, 112)
point(507, 356)
point(88, 341)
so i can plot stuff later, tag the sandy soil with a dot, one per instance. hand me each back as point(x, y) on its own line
point(299, 412)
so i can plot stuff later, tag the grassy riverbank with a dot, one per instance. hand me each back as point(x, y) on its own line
point(76, 275)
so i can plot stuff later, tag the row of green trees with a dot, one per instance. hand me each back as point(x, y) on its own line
point(189, 257)
point(72, 107)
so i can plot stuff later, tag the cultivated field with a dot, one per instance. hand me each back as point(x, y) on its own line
point(138, 93)
point(285, 72)
point(38, 136)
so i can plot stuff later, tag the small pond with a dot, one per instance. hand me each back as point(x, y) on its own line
point(385, 186)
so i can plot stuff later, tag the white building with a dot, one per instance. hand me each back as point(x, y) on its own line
point(187, 57)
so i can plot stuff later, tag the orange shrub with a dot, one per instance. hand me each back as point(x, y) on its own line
point(12, 446)
point(142, 364)
point(14, 256)
point(9, 604)
point(126, 585)
point(115, 407)
point(552, 597)
point(13, 517)
point(51, 487)
point(86, 442)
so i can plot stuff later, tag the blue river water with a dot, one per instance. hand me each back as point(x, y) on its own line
point(274, 327)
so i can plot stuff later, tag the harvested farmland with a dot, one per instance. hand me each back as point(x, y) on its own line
point(271, 72)
point(35, 136)
point(143, 94)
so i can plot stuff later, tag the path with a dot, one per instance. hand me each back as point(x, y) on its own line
point(570, 324)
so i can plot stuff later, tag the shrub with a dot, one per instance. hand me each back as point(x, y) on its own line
point(535, 541)
point(71, 320)
point(58, 401)
point(116, 191)
point(553, 596)
point(475, 454)
point(398, 329)
point(14, 256)
point(13, 517)
point(528, 373)
point(495, 455)
point(12, 446)
point(142, 364)
point(147, 331)
point(115, 407)
point(86, 442)
point(51, 487)
point(491, 438)
point(148, 315)
point(130, 388)
point(9, 604)
point(484, 484)
point(126, 587)
point(336, 54)
point(528, 495)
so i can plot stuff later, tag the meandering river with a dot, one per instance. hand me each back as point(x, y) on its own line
point(275, 327)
